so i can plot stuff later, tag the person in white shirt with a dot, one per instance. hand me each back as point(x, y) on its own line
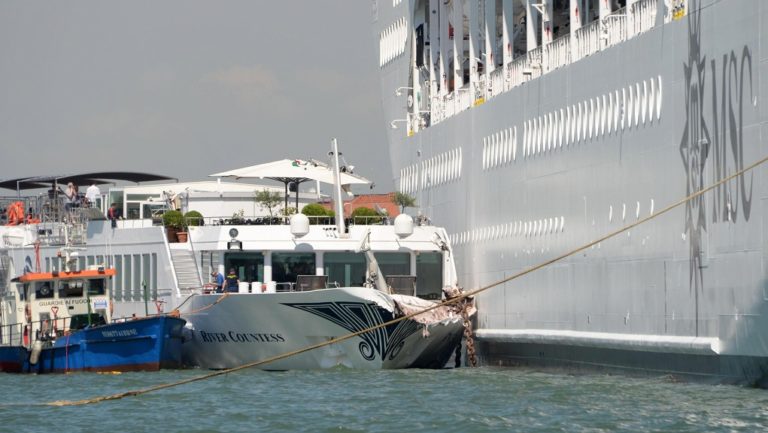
point(92, 193)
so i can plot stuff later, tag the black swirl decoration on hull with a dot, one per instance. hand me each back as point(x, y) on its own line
point(384, 343)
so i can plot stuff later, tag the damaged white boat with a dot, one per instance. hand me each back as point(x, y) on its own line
point(401, 269)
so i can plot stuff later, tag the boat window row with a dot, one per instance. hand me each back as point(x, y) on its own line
point(530, 228)
point(392, 41)
point(60, 289)
point(500, 148)
point(627, 211)
point(341, 269)
point(435, 171)
point(614, 112)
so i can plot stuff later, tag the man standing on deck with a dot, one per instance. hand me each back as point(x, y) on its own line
point(233, 283)
point(219, 280)
point(113, 214)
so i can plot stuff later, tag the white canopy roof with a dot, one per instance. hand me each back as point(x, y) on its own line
point(292, 170)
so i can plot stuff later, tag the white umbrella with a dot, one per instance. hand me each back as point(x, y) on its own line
point(293, 171)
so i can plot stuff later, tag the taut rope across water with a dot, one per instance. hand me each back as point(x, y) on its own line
point(451, 301)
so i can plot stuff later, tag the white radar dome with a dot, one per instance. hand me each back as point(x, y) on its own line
point(403, 225)
point(299, 225)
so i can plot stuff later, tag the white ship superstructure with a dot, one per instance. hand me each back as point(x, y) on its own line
point(527, 128)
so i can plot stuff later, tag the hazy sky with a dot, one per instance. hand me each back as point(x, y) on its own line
point(187, 88)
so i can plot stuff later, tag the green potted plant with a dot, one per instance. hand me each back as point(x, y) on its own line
point(173, 221)
point(365, 216)
point(193, 218)
point(314, 212)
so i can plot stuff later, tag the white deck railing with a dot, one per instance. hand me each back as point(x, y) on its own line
point(596, 36)
point(557, 53)
point(643, 16)
point(587, 40)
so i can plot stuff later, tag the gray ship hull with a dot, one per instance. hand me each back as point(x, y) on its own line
point(590, 147)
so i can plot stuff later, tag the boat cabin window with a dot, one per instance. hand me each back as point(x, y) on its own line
point(44, 290)
point(96, 286)
point(345, 269)
point(311, 282)
point(429, 275)
point(402, 284)
point(248, 266)
point(287, 266)
point(71, 289)
point(394, 263)
point(80, 321)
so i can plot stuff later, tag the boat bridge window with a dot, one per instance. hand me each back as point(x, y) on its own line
point(80, 321)
point(248, 266)
point(71, 289)
point(96, 286)
point(429, 275)
point(394, 263)
point(402, 284)
point(345, 269)
point(44, 290)
point(286, 267)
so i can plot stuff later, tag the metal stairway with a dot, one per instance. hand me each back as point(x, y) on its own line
point(186, 270)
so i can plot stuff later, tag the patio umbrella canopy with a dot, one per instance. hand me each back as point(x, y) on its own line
point(292, 171)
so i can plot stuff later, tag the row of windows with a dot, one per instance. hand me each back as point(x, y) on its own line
point(342, 268)
point(539, 227)
point(438, 170)
point(134, 272)
point(624, 210)
point(613, 112)
point(531, 228)
point(392, 41)
point(500, 148)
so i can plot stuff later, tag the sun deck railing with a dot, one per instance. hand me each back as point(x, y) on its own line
point(598, 35)
point(557, 53)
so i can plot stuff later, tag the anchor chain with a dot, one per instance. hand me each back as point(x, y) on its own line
point(471, 357)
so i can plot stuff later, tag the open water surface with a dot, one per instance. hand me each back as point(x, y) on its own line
point(343, 400)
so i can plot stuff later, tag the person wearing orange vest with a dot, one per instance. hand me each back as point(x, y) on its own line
point(113, 214)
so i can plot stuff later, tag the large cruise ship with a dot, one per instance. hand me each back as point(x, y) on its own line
point(528, 128)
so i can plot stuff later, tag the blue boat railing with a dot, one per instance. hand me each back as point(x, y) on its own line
point(46, 330)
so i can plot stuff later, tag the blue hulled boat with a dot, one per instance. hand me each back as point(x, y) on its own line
point(57, 322)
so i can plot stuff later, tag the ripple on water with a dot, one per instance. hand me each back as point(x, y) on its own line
point(342, 400)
